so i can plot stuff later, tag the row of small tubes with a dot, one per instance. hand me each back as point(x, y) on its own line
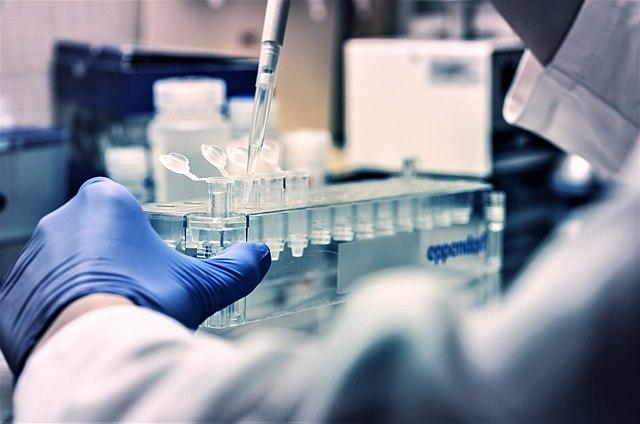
point(247, 192)
point(364, 220)
point(318, 225)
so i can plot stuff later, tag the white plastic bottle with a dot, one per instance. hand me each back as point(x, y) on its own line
point(240, 115)
point(308, 150)
point(188, 114)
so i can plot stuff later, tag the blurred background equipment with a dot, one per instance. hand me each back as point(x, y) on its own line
point(33, 182)
point(438, 101)
point(308, 150)
point(362, 86)
point(103, 95)
point(189, 113)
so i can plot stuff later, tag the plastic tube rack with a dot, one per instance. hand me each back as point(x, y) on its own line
point(323, 241)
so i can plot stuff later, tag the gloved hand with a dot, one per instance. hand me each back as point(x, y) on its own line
point(101, 242)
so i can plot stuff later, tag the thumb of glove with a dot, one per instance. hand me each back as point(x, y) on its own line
point(233, 274)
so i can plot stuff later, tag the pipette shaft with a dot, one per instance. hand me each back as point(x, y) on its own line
point(272, 37)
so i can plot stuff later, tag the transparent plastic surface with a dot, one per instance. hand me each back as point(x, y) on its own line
point(461, 209)
point(442, 207)
point(271, 194)
point(385, 225)
point(244, 192)
point(273, 233)
point(298, 231)
point(495, 208)
point(425, 214)
point(365, 220)
point(296, 188)
point(170, 228)
point(406, 216)
point(219, 196)
point(323, 241)
point(206, 236)
point(321, 226)
point(343, 223)
point(271, 190)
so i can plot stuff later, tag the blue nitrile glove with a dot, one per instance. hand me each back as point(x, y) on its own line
point(101, 242)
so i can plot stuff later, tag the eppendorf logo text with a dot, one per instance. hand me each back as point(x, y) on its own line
point(439, 253)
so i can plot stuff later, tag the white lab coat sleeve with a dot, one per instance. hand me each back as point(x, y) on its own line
point(126, 363)
point(6, 391)
point(587, 99)
point(400, 351)
point(564, 344)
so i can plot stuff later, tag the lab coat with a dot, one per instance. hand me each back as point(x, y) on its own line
point(563, 344)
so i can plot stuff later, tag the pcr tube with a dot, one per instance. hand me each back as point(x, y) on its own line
point(244, 192)
point(424, 214)
point(343, 223)
point(442, 211)
point(321, 226)
point(233, 314)
point(384, 218)
point(462, 207)
point(271, 190)
point(495, 215)
point(364, 225)
point(296, 188)
point(271, 194)
point(219, 196)
point(209, 234)
point(273, 233)
point(405, 216)
point(298, 232)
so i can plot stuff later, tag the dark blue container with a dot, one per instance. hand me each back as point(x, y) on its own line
point(103, 94)
point(118, 80)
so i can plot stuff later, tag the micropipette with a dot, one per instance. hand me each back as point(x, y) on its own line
point(275, 22)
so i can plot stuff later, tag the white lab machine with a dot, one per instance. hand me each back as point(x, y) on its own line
point(437, 101)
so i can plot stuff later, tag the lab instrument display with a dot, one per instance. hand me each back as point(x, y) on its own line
point(324, 240)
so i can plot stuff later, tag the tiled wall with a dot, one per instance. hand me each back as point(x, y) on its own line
point(28, 29)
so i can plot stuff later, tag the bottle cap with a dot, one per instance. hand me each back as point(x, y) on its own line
point(189, 90)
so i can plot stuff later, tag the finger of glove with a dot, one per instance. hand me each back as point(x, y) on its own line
point(235, 272)
point(101, 191)
point(98, 201)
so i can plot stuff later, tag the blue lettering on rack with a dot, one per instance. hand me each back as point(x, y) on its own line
point(439, 253)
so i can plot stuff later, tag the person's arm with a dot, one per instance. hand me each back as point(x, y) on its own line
point(80, 307)
point(541, 24)
point(577, 85)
